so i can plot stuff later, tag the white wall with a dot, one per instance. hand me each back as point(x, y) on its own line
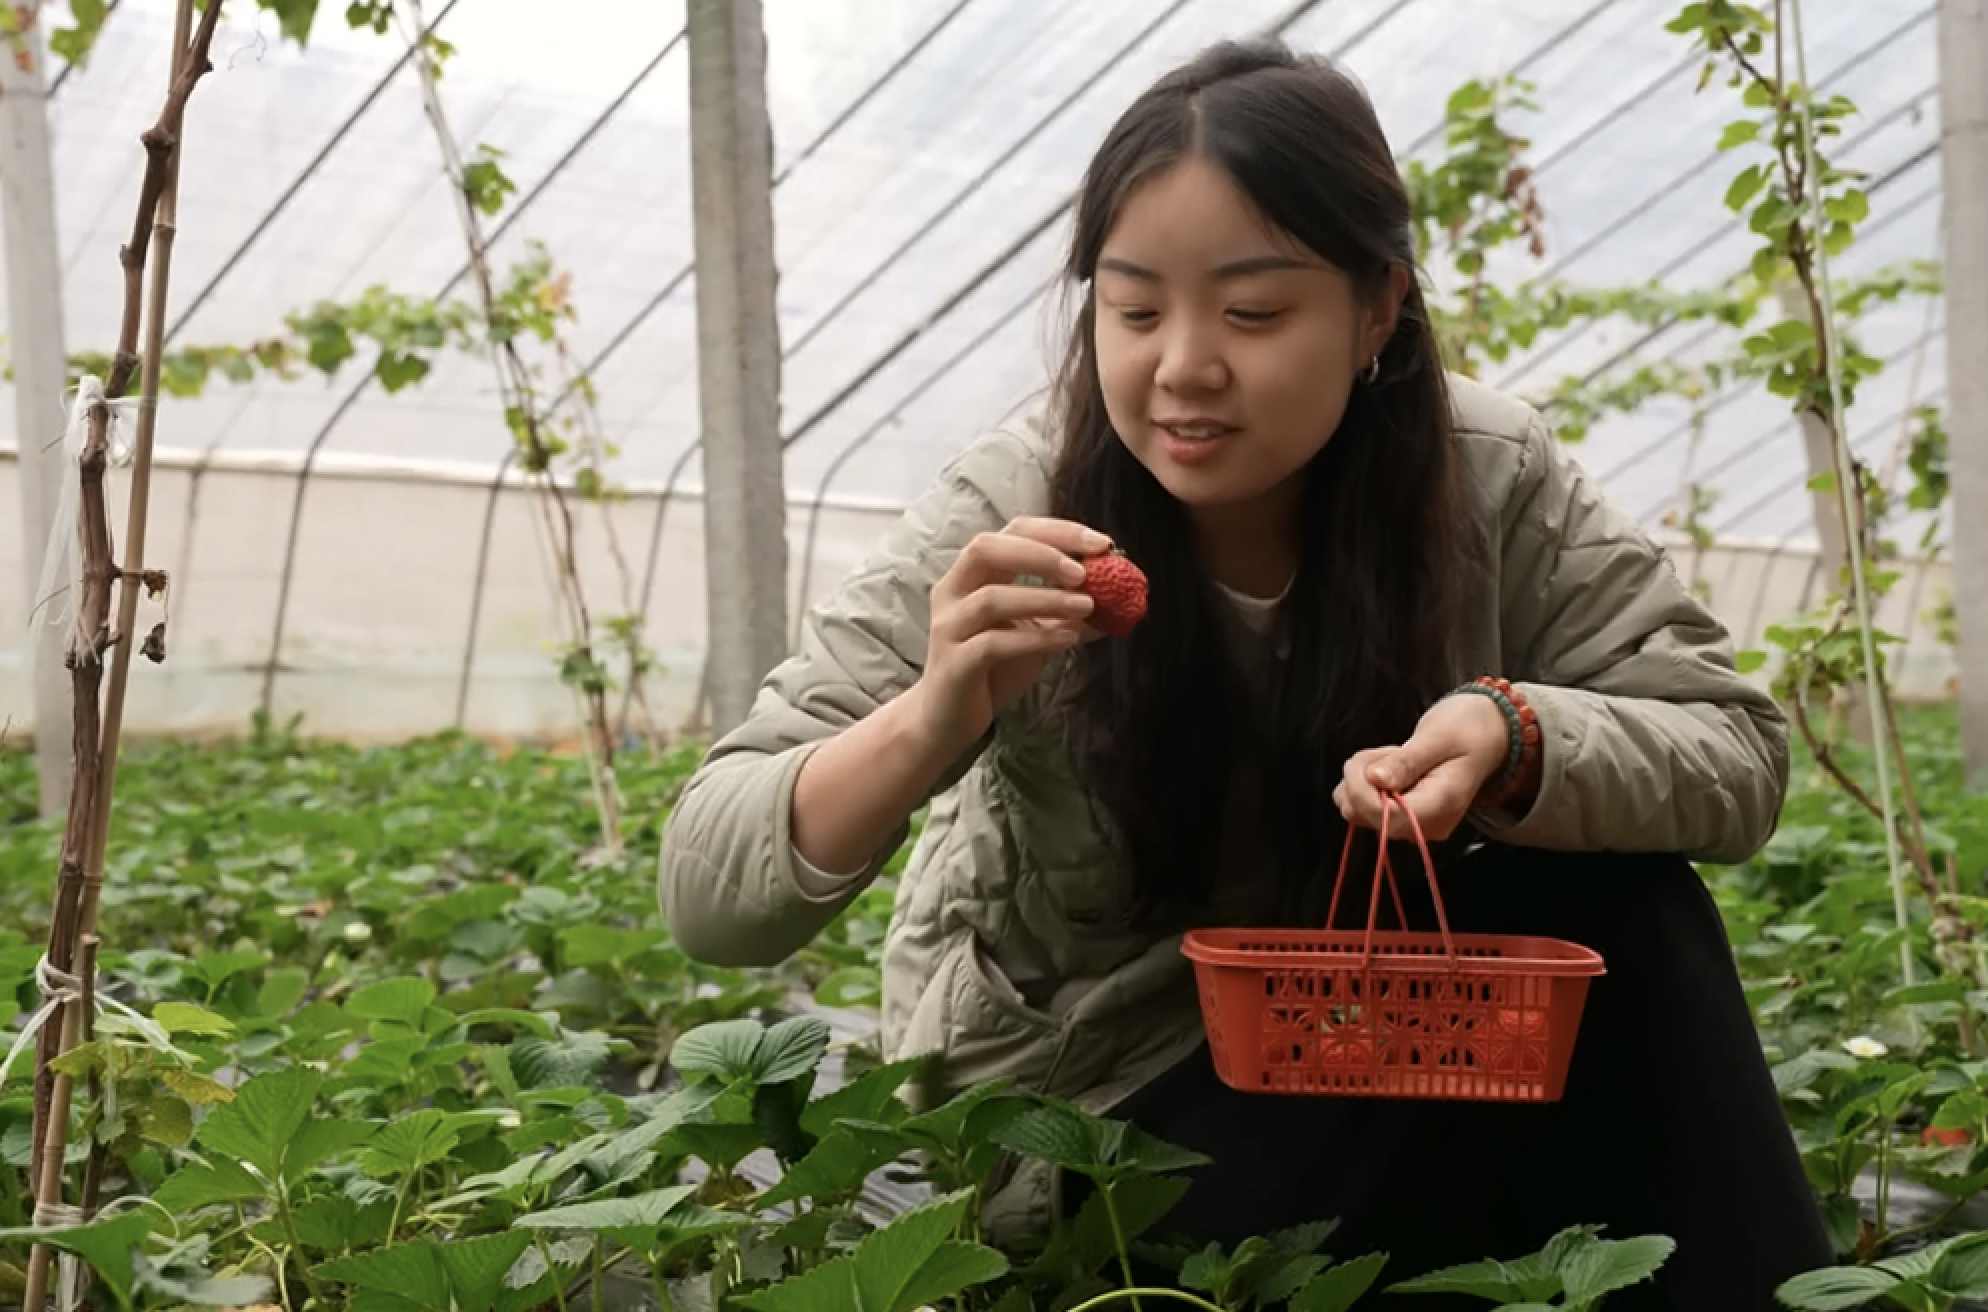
point(380, 604)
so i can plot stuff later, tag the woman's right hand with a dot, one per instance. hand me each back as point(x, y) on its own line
point(991, 637)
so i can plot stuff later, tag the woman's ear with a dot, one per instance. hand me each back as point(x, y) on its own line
point(1383, 312)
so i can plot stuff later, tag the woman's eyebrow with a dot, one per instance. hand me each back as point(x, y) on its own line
point(1242, 268)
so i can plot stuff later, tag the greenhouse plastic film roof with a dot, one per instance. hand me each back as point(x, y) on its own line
point(1004, 104)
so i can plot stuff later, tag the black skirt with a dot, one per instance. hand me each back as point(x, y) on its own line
point(1669, 1125)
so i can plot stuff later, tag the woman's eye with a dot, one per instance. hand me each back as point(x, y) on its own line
point(1255, 318)
point(1136, 316)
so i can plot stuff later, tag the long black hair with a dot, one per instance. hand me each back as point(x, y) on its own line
point(1367, 625)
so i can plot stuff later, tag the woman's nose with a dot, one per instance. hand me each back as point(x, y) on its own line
point(1191, 361)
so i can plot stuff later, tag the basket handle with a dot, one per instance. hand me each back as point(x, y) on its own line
point(1384, 869)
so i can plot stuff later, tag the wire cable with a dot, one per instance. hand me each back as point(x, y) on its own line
point(981, 179)
point(1751, 445)
point(887, 420)
point(1668, 322)
point(871, 92)
point(1029, 235)
point(1014, 248)
point(981, 338)
point(1732, 392)
point(1001, 260)
point(1782, 487)
point(807, 152)
point(366, 380)
point(1531, 57)
point(675, 282)
point(1614, 114)
point(1705, 332)
point(1628, 217)
point(297, 184)
point(1697, 248)
point(981, 276)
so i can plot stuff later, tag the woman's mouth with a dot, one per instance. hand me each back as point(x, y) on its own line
point(1193, 442)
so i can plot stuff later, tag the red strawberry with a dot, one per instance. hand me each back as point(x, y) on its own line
point(1119, 588)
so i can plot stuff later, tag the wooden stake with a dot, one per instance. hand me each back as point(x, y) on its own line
point(96, 732)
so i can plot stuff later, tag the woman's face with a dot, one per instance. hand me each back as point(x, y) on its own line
point(1226, 350)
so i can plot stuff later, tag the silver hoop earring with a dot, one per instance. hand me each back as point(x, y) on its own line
point(1371, 374)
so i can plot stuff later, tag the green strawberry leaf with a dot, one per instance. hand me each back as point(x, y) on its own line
point(404, 999)
point(108, 1247)
point(1341, 1286)
point(1836, 1289)
point(1611, 1264)
point(265, 1116)
point(476, 1267)
point(222, 1181)
point(736, 1050)
point(185, 1018)
point(412, 1271)
point(643, 1211)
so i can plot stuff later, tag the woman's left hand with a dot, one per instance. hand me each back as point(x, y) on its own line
point(1459, 745)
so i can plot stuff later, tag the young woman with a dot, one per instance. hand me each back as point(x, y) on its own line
point(1338, 538)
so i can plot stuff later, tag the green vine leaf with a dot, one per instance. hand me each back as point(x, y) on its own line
point(295, 17)
point(73, 42)
point(485, 182)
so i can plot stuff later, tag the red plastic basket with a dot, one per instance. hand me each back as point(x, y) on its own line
point(1391, 1013)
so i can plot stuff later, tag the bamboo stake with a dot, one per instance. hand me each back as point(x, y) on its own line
point(165, 227)
point(96, 730)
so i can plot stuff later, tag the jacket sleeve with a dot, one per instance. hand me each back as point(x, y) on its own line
point(729, 888)
point(1653, 741)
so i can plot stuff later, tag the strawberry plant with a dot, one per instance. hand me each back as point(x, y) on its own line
point(390, 1044)
point(1933, 1279)
point(1576, 1270)
point(1881, 1090)
point(321, 1170)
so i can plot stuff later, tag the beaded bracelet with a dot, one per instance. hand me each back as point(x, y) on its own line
point(1522, 723)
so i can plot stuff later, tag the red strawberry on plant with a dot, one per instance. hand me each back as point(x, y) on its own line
point(1119, 588)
